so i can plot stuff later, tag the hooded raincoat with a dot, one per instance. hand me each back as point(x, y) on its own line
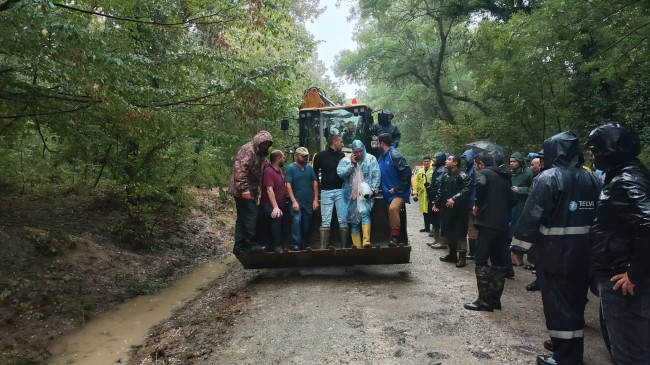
point(248, 167)
point(353, 175)
point(556, 219)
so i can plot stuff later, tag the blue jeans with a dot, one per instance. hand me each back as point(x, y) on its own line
point(300, 225)
point(328, 200)
point(628, 322)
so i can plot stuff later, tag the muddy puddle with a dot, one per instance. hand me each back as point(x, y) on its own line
point(107, 339)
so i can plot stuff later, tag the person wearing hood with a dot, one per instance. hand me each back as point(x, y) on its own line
point(244, 187)
point(451, 202)
point(432, 190)
point(361, 179)
point(522, 179)
point(556, 219)
point(395, 184)
point(491, 210)
point(620, 242)
point(421, 182)
point(472, 232)
point(384, 125)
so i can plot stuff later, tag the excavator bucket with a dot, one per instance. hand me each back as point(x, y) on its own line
point(380, 253)
point(314, 97)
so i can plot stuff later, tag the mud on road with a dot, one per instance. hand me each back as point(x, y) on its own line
point(399, 314)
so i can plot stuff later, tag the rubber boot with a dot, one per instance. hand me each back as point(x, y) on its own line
point(497, 282)
point(343, 235)
point(356, 239)
point(439, 241)
point(451, 256)
point(365, 229)
point(324, 238)
point(462, 255)
point(472, 248)
point(483, 276)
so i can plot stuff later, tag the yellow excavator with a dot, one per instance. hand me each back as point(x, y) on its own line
point(318, 119)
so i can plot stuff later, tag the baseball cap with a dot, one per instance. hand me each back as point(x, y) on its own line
point(302, 151)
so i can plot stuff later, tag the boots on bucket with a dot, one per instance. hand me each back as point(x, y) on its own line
point(462, 255)
point(472, 248)
point(356, 240)
point(324, 238)
point(365, 240)
point(344, 233)
point(483, 276)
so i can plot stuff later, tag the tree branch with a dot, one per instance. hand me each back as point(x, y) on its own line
point(476, 103)
point(8, 4)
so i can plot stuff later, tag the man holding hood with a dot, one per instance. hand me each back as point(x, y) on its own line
point(361, 179)
point(620, 242)
point(244, 186)
point(556, 218)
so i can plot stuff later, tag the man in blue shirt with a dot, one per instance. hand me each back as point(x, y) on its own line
point(302, 188)
point(395, 183)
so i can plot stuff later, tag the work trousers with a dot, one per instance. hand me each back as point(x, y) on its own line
point(245, 225)
point(564, 298)
point(393, 213)
point(489, 246)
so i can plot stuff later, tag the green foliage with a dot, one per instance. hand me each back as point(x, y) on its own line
point(513, 73)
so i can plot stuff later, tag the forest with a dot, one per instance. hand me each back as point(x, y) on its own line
point(142, 99)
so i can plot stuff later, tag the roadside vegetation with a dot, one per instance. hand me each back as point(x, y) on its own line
point(116, 116)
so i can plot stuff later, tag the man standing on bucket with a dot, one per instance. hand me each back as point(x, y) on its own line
point(395, 183)
point(244, 186)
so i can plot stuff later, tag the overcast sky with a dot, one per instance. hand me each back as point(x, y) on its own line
point(332, 28)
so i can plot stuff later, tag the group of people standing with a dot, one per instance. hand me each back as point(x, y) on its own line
point(584, 228)
point(346, 184)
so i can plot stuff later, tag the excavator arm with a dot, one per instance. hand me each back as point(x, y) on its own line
point(314, 97)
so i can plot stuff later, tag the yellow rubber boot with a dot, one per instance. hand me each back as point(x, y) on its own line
point(356, 239)
point(365, 229)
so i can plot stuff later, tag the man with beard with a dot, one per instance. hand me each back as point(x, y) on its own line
point(556, 218)
point(302, 188)
point(244, 186)
point(492, 210)
point(451, 202)
point(272, 203)
point(620, 242)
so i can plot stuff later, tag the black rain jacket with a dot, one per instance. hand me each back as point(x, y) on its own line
point(620, 236)
point(494, 198)
point(561, 208)
point(453, 221)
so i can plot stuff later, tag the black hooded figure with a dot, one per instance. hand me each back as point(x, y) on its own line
point(556, 218)
point(385, 125)
point(620, 242)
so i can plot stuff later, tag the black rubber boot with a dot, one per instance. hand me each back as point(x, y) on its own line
point(497, 282)
point(324, 238)
point(344, 233)
point(461, 259)
point(452, 255)
point(483, 276)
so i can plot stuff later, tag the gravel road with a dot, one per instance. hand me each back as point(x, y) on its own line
point(394, 314)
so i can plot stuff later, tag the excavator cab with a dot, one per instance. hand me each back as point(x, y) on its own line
point(318, 119)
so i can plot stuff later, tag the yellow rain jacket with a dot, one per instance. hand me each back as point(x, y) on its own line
point(423, 177)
